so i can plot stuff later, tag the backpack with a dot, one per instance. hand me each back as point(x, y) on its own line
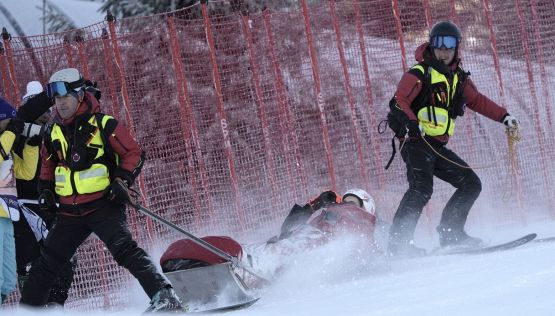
point(396, 119)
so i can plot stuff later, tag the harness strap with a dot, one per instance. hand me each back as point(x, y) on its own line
point(394, 151)
point(3, 153)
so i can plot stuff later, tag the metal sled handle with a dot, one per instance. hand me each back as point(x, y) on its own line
point(234, 261)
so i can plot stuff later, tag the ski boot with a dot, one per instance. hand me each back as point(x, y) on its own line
point(405, 250)
point(457, 239)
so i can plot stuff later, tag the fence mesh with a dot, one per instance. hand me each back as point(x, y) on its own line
point(243, 114)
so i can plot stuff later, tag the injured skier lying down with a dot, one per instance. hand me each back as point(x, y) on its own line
point(348, 220)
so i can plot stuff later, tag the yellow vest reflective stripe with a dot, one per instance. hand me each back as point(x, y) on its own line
point(434, 119)
point(439, 126)
point(96, 178)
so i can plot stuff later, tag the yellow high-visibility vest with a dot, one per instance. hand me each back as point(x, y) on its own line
point(96, 178)
point(434, 117)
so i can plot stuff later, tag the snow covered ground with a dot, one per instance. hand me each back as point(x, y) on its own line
point(516, 282)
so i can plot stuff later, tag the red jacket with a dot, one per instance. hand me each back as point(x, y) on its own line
point(121, 142)
point(410, 86)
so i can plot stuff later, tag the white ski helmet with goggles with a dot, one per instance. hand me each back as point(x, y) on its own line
point(361, 198)
point(65, 81)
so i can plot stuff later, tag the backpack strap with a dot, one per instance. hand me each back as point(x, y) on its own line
point(422, 72)
point(108, 151)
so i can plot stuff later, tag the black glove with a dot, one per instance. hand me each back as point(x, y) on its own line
point(414, 129)
point(47, 201)
point(118, 192)
point(34, 140)
point(15, 126)
point(323, 200)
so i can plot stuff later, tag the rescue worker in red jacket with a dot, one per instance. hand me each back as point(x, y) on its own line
point(429, 97)
point(89, 161)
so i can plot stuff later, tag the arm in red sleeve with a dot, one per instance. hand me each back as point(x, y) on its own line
point(482, 104)
point(128, 150)
point(47, 165)
point(407, 90)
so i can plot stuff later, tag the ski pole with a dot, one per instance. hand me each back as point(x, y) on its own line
point(196, 240)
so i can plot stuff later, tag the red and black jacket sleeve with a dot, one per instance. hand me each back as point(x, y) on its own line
point(48, 165)
point(131, 156)
point(482, 104)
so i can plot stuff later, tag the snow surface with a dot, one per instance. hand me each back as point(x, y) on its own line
point(516, 282)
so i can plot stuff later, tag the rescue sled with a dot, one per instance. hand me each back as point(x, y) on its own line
point(210, 288)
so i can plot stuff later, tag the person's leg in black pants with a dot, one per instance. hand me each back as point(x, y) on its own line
point(110, 225)
point(455, 213)
point(420, 163)
point(65, 236)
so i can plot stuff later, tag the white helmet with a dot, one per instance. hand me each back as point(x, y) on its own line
point(33, 88)
point(361, 198)
point(71, 79)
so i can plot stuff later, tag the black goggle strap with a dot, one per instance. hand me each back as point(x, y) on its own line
point(76, 84)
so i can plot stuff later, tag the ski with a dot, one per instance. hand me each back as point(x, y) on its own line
point(489, 249)
point(226, 308)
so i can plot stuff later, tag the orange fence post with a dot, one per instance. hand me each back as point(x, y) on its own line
point(347, 84)
point(287, 128)
point(186, 113)
point(399, 28)
point(13, 98)
point(487, 12)
point(223, 119)
point(260, 105)
point(319, 97)
point(127, 109)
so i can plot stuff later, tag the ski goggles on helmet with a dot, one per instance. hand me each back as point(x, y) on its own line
point(61, 88)
point(449, 42)
point(349, 197)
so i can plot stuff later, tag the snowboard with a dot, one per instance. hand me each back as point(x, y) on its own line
point(489, 249)
point(544, 239)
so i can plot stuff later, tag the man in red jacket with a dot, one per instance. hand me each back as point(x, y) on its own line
point(429, 97)
point(89, 161)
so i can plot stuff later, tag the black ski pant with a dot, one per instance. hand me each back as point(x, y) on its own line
point(27, 250)
point(422, 165)
point(69, 232)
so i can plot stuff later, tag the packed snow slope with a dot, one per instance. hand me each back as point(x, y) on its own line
point(325, 282)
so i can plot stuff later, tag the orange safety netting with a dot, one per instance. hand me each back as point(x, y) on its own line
point(243, 115)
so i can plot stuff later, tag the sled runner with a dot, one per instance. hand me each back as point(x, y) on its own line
point(210, 288)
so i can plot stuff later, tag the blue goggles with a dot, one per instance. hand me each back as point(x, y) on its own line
point(58, 88)
point(449, 42)
point(61, 88)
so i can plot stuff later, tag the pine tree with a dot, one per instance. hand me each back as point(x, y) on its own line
point(127, 8)
point(56, 19)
